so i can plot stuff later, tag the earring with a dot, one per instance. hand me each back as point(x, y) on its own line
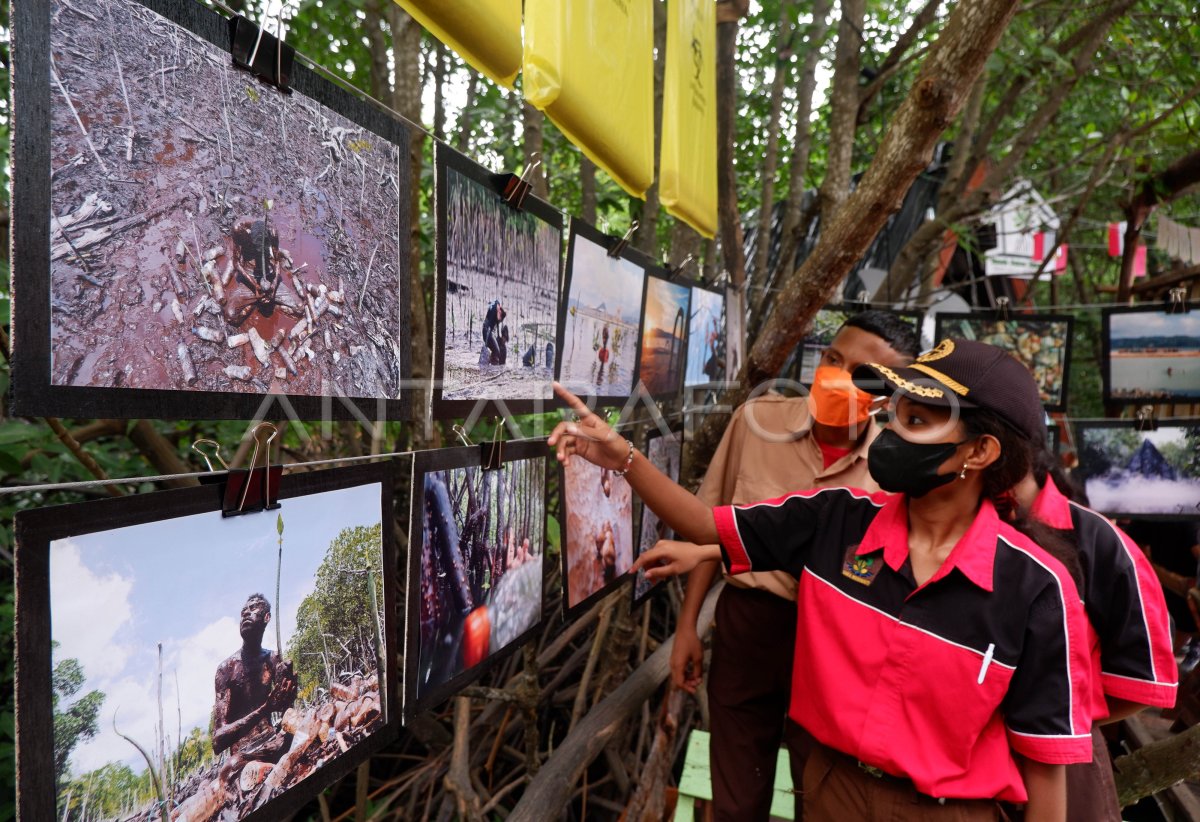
point(962, 475)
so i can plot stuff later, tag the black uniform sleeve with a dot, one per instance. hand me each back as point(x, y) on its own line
point(777, 534)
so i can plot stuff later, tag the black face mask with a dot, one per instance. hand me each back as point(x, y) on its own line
point(910, 468)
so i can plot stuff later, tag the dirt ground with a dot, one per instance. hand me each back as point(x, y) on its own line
point(211, 233)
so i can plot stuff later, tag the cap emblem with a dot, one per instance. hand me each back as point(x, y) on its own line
point(943, 349)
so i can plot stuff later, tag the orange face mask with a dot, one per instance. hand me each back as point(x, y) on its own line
point(835, 401)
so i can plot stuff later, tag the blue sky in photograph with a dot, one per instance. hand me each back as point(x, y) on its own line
point(597, 278)
point(115, 594)
point(1154, 324)
point(706, 309)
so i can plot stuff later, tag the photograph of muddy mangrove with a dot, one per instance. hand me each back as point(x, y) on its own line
point(210, 665)
point(664, 337)
point(498, 289)
point(210, 233)
point(598, 547)
point(483, 540)
point(601, 319)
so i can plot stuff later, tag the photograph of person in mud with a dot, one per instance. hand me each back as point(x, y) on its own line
point(209, 665)
point(1127, 472)
point(479, 569)
point(601, 318)
point(706, 338)
point(664, 337)
point(598, 546)
point(497, 301)
point(664, 452)
point(209, 232)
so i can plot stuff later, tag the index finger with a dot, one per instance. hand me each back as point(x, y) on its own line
point(577, 405)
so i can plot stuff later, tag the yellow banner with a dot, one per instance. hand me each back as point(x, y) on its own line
point(687, 169)
point(589, 64)
point(485, 33)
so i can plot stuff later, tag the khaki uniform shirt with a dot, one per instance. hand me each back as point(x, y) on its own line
point(766, 452)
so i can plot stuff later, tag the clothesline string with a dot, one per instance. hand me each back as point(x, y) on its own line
point(98, 483)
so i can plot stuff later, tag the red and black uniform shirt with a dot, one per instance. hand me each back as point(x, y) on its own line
point(1132, 658)
point(939, 683)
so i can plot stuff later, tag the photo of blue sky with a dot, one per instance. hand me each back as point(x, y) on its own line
point(116, 594)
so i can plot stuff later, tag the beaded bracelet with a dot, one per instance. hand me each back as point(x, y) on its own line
point(628, 462)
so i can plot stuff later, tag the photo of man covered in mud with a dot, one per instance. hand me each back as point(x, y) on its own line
point(598, 547)
point(477, 583)
point(210, 233)
point(497, 300)
point(210, 665)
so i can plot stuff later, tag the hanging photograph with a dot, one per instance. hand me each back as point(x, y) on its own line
point(1041, 341)
point(802, 366)
point(598, 544)
point(1151, 355)
point(497, 297)
point(175, 661)
point(706, 337)
point(601, 317)
point(1132, 473)
point(475, 576)
point(664, 452)
point(664, 337)
point(735, 332)
point(189, 239)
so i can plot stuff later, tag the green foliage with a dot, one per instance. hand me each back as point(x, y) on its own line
point(77, 722)
point(334, 624)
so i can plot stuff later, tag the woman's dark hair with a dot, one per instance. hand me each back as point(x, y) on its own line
point(1047, 464)
point(900, 334)
point(1019, 456)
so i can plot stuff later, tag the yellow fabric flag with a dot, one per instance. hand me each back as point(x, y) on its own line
point(589, 64)
point(687, 168)
point(485, 33)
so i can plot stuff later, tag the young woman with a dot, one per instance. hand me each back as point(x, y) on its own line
point(941, 656)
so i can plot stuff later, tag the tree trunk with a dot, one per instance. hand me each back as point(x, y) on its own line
point(440, 63)
point(555, 782)
point(802, 137)
point(646, 237)
point(684, 242)
point(887, 68)
point(1163, 187)
point(766, 210)
point(406, 99)
point(1157, 766)
point(466, 117)
point(729, 216)
point(533, 122)
point(843, 99)
point(971, 204)
point(587, 187)
point(381, 86)
point(941, 88)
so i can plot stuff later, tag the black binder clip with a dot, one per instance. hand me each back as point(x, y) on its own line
point(213, 477)
point(254, 489)
point(265, 56)
point(861, 302)
point(1002, 309)
point(513, 189)
point(1177, 301)
point(1144, 419)
point(491, 454)
point(674, 272)
point(620, 244)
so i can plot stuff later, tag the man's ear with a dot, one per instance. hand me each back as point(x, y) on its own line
point(268, 619)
